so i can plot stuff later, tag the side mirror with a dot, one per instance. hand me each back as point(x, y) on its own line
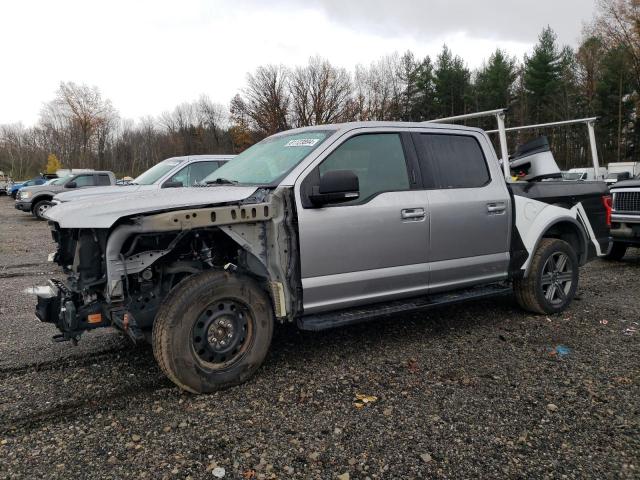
point(336, 186)
point(172, 185)
point(71, 185)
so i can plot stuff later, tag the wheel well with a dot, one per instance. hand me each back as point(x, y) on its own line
point(572, 234)
point(35, 201)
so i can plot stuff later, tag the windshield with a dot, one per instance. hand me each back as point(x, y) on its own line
point(58, 181)
point(156, 172)
point(613, 176)
point(269, 160)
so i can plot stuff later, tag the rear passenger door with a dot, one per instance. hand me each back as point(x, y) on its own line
point(373, 248)
point(469, 209)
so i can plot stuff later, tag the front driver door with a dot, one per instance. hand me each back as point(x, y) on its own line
point(370, 249)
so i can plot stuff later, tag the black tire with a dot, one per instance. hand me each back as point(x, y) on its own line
point(40, 207)
point(187, 342)
point(617, 253)
point(542, 291)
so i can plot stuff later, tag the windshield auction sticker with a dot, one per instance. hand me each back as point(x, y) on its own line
point(302, 142)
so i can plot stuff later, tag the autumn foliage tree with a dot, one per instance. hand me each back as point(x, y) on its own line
point(53, 164)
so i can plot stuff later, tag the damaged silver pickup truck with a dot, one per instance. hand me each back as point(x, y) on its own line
point(323, 226)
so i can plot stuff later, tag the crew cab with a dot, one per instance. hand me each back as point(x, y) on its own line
point(625, 218)
point(170, 173)
point(38, 199)
point(321, 226)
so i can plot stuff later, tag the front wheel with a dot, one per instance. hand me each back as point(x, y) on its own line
point(552, 280)
point(40, 208)
point(212, 331)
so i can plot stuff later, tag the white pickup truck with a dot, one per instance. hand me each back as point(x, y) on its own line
point(173, 172)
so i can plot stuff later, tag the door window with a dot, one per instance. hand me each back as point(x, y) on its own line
point(199, 170)
point(103, 180)
point(377, 159)
point(456, 160)
point(181, 176)
point(84, 181)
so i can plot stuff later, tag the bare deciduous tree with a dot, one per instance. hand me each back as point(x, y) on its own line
point(265, 101)
point(320, 93)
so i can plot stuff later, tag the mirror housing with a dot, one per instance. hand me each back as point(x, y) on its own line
point(172, 185)
point(336, 186)
point(71, 185)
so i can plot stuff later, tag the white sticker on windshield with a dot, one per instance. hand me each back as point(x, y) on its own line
point(302, 142)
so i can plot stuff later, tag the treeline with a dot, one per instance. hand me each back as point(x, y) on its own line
point(553, 82)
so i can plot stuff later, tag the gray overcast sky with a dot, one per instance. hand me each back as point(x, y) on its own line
point(147, 56)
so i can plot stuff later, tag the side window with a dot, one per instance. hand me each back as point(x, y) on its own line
point(84, 181)
point(377, 159)
point(457, 160)
point(181, 176)
point(199, 170)
point(103, 180)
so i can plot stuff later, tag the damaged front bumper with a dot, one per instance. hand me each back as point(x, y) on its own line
point(58, 305)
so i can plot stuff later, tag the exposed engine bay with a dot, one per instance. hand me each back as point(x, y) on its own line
point(120, 276)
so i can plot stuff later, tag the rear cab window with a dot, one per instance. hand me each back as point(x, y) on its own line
point(449, 160)
point(84, 181)
point(103, 180)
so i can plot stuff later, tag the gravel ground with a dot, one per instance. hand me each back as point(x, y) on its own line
point(471, 391)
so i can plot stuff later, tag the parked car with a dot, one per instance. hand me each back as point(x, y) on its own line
point(632, 168)
point(576, 174)
point(625, 217)
point(322, 226)
point(16, 186)
point(612, 178)
point(5, 180)
point(170, 173)
point(37, 199)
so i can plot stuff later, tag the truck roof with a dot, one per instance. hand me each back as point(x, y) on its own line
point(348, 126)
point(191, 158)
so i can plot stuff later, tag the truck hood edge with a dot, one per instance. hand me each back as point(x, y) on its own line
point(105, 211)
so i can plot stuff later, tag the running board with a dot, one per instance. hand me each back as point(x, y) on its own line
point(340, 318)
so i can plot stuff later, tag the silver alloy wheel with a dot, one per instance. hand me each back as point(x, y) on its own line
point(557, 278)
point(43, 208)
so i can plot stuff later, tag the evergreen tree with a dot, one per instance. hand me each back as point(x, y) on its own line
point(494, 82)
point(615, 105)
point(451, 84)
point(422, 88)
point(542, 77)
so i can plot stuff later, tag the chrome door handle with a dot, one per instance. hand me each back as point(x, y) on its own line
point(496, 208)
point(413, 213)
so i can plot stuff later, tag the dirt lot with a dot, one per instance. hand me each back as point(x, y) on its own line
point(480, 390)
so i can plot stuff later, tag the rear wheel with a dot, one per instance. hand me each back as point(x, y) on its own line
point(40, 208)
point(553, 278)
point(618, 251)
point(212, 331)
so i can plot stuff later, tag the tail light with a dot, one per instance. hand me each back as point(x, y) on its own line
point(608, 206)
